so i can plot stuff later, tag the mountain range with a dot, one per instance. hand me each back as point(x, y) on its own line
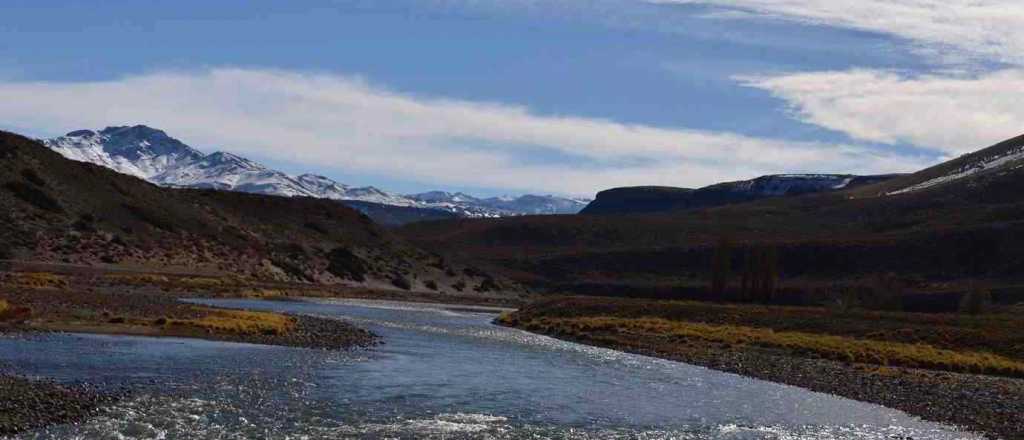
point(959, 220)
point(151, 154)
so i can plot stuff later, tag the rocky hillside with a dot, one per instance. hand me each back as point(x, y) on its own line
point(61, 211)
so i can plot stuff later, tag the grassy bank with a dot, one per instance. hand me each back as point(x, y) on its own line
point(39, 301)
point(964, 370)
point(838, 348)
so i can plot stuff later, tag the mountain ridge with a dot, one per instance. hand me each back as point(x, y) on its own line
point(644, 199)
point(153, 155)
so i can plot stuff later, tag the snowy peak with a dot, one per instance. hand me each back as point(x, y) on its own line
point(443, 197)
point(139, 150)
point(153, 155)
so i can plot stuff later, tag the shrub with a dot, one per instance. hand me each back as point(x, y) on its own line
point(487, 285)
point(431, 284)
point(975, 302)
point(343, 263)
point(459, 285)
point(721, 264)
point(33, 196)
point(885, 292)
point(401, 282)
point(316, 227)
point(151, 218)
point(33, 178)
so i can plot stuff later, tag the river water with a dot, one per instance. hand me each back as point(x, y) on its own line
point(441, 373)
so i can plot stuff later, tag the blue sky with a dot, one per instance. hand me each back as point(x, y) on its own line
point(512, 96)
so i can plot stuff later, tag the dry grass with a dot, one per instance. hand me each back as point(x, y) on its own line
point(138, 278)
point(263, 293)
point(3, 307)
point(240, 322)
point(827, 346)
point(35, 280)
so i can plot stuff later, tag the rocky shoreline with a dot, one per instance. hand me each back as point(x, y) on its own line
point(27, 404)
point(984, 404)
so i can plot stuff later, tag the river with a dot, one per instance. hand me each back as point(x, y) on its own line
point(441, 373)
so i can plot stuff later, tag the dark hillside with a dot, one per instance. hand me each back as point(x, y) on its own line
point(56, 210)
point(647, 199)
point(964, 229)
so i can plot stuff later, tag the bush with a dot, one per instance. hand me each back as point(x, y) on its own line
point(487, 285)
point(975, 302)
point(33, 178)
point(149, 217)
point(431, 284)
point(33, 196)
point(459, 285)
point(343, 263)
point(401, 282)
point(884, 293)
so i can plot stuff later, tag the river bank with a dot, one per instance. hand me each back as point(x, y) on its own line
point(989, 404)
point(29, 404)
point(104, 303)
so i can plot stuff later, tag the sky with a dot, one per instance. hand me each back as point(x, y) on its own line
point(497, 97)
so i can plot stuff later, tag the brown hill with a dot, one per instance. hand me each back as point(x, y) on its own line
point(969, 227)
point(56, 210)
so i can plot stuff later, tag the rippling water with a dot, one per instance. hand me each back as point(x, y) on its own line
point(442, 374)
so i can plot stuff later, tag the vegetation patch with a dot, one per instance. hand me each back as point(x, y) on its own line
point(240, 322)
point(341, 262)
point(34, 196)
point(142, 278)
point(35, 280)
point(838, 348)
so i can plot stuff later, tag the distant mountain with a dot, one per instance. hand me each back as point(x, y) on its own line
point(658, 198)
point(501, 206)
point(151, 154)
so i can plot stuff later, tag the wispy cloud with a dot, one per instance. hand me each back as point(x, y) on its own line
point(952, 114)
point(973, 100)
point(953, 28)
point(345, 123)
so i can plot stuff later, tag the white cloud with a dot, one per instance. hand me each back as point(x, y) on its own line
point(342, 122)
point(982, 28)
point(952, 114)
point(954, 110)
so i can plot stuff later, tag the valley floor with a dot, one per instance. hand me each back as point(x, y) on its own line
point(925, 365)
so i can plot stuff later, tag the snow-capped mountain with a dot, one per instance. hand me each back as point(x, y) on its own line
point(501, 206)
point(151, 154)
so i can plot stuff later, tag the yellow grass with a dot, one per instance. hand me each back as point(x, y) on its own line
point(241, 322)
point(3, 306)
point(36, 280)
point(827, 346)
point(143, 278)
point(263, 293)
